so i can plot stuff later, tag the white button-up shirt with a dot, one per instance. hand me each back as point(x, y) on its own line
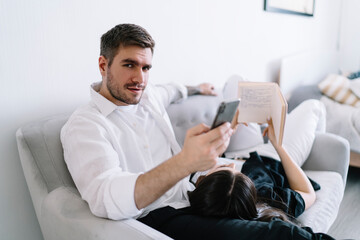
point(106, 148)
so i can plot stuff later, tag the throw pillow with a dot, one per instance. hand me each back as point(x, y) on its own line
point(337, 87)
point(245, 137)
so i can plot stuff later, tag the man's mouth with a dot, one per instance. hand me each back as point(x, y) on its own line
point(135, 89)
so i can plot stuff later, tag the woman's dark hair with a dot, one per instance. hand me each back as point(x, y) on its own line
point(226, 194)
point(124, 35)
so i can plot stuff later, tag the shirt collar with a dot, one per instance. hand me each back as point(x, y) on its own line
point(105, 106)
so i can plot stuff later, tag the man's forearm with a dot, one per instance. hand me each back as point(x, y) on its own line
point(153, 184)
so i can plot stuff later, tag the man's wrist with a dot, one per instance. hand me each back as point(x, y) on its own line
point(181, 165)
point(192, 90)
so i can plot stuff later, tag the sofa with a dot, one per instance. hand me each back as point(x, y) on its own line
point(62, 214)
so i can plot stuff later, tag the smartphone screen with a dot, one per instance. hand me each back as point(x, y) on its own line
point(225, 112)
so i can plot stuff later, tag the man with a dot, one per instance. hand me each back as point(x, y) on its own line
point(107, 148)
point(121, 150)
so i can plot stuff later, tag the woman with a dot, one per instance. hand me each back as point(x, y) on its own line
point(263, 190)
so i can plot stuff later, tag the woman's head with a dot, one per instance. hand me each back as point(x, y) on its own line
point(225, 192)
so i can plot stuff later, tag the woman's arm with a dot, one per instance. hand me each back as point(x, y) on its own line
point(298, 181)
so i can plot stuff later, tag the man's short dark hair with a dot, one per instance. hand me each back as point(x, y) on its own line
point(123, 35)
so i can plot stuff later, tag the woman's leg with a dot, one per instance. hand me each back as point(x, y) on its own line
point(300, 127)
point(180, 224)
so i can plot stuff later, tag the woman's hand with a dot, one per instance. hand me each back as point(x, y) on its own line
point(270, 133)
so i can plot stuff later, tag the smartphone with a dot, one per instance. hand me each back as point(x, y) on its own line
point(225, 112)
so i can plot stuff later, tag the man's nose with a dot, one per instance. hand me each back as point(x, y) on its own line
point(140, 76)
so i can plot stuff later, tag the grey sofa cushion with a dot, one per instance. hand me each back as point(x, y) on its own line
point(322, 214)
point(303, 93)
point(43, 139)
point(182, 120)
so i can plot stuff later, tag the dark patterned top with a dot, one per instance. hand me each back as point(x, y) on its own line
point(272, 185)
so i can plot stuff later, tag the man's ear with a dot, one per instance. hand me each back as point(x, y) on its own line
point(103, 65)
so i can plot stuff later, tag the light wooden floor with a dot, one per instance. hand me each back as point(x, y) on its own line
point(347, 223)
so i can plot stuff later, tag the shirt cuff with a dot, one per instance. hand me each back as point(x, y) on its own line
point(181, 88)
point(121, 198)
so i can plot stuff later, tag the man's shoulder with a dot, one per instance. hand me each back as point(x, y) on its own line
point(86, 114)
point(89, 109)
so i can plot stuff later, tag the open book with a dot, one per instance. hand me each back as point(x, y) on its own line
point(260, 100)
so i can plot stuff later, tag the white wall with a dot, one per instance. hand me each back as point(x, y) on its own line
point(49, 52)
point(350, 35)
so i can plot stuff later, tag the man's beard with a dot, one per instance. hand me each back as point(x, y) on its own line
point(120, 94)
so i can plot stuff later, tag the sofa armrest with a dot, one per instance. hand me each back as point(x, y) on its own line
point(329, 153)
point(65, 215)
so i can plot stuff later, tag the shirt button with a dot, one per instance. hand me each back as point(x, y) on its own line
point(146, 146)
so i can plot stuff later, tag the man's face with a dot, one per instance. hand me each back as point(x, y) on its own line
point(125, 80)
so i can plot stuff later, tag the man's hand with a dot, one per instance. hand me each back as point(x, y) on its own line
point(203, 89)
point(202, 146)
point(207, 89)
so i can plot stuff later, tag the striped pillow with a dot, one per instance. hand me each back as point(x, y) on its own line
point(337, 87)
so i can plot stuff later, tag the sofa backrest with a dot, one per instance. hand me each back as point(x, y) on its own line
point(43, 141)
point(191, 112)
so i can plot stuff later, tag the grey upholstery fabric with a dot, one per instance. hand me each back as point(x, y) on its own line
point(44, 143)
point(324, 149)
point(62, 213)
point(303, 93)
point(195, 110)
point(66, 216)
point(322, 214)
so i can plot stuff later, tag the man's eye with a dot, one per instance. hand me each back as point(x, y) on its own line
point(128, 65)
point(147, 68)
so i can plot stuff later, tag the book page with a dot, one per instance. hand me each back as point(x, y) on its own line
point(260, 100)
point(255, 102)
